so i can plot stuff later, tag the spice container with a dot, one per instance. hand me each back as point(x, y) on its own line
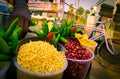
point(40, 62)
point(92, 47)
point(79, 60)
point(77, 69)
point(83, 39)
point(22, 73)
point(54, 6)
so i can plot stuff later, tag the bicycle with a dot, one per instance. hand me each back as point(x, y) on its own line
point(101, 29)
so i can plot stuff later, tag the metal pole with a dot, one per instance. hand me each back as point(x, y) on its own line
point(62, 8)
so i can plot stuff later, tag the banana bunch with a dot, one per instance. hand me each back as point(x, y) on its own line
point(9, 40)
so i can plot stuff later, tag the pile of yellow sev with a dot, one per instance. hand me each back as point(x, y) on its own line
point(40, 57)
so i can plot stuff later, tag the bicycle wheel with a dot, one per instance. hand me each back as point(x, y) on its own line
point(105, 64)
point(107, 60)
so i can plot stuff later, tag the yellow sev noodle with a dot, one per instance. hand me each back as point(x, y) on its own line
point(40, 57)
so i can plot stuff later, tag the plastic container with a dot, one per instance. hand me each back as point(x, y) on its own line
point(24, 74)
point(92, 47)
point(77, 69)
point(4, 66)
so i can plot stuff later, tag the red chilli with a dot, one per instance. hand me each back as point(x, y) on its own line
point(73, 28)
point(50, 35)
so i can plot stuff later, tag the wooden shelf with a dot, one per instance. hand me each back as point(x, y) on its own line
point(39, 10)
point(42, 2)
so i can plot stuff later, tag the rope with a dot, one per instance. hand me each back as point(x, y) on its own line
point(69, 5)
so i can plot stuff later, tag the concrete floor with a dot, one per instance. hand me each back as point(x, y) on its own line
point(100, 72)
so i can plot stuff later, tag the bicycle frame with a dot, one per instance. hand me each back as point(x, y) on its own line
point(102, 33)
